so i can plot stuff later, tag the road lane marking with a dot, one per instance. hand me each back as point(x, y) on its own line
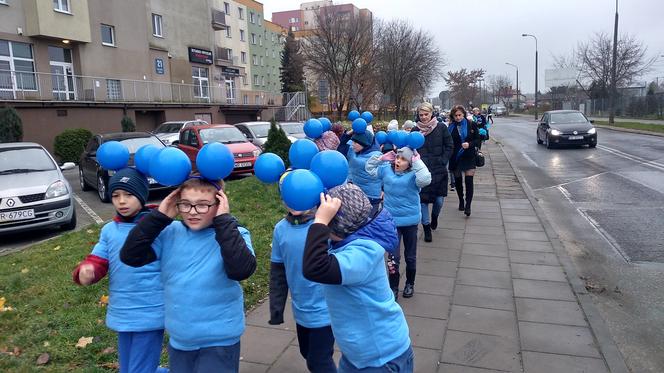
point(573, 181)
point(631, 157)
point(88, 210)
point(530, 160)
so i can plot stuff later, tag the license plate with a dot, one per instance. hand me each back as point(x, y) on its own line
point(576, 137)
point(17, 215)
point(242, 164)
point(152, 181)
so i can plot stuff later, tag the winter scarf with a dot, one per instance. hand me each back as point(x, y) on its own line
point(428, 127)
point(463, 133)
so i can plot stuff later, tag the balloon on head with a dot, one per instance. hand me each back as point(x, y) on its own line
point(327, 124)
point(170, 166)
point(331, 167)
point(353, 114)
point(482, 132)
point(367, 116)
point(392, 137)
point(381, 137)
point(113, 155)
point(301, 189)
point(313, 128)
point(400, 139)
point(269, 167)
point(143, 156)
point(415, 140)
point(215, 161)
point(301, 152)
point(359, 126)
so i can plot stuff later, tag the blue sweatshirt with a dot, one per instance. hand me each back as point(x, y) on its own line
point(357, 173)
point(308, 300)
point(402, 189)
point(136, 297)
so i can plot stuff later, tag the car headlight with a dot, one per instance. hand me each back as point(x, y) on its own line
point(256, 152)
point(592, 131)
point(56, 189)
point(555, 132)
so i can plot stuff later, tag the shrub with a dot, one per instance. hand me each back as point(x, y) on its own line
point(277, 142)
point(127, 124)
point(11, 126)
point(70, 144)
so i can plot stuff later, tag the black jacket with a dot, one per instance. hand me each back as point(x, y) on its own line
point(435, 154)
point(467, 159)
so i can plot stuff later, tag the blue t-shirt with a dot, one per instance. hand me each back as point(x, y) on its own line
point(359, 176)
point(136, 297)
point(368, 324)
point(402, 195)
point(204, 308)
point(308, 300)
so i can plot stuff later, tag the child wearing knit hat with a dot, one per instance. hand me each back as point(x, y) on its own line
point(136, 306)
point(359, 148)
point(369, 326)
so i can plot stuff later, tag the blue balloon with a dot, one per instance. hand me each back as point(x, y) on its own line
point(301, 190)
point(301, 153)
point(170, 166)
point(381, 137)
point(113, 155)
point(392, 137)
point(359, 126)
point(331, 167)
point(313, 128)
point(143, 156)
point(401, 139)
point(269, 167)
point(352, 115)
point(215, 161)
point(367, 116)
point(415, 140)
point(327, 124)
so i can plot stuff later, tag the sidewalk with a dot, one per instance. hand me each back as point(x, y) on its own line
point(491, 295)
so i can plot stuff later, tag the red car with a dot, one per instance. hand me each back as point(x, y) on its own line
point(193, 138)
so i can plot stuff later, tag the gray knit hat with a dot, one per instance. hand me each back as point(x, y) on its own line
point(406, 153)
point(354, 212)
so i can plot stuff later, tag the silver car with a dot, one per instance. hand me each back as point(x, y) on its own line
point(169, 132)
point(294, 130)
point(34, 193)
point(255, 132)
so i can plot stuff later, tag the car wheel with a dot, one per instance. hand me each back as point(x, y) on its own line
point(102, 191)
point(538, 139)
point(548, 142)
point(71, 224)
point(81, 180)
point(592, 145)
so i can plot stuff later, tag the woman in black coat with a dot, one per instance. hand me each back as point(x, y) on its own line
point(435, 153)
point(466, 137)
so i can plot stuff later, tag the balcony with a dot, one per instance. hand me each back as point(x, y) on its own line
point(42, 20)
point(224, 57)
point(218, 20)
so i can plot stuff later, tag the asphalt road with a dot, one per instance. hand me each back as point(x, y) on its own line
point(607, 206)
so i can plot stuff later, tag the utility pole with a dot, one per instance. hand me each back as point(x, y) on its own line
point(614, 89)
point(517, 84)
point(536, 93)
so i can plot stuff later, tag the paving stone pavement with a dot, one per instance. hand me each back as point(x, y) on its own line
point(491, 295)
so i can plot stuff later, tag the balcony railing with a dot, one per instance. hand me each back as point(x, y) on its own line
point(218, 19)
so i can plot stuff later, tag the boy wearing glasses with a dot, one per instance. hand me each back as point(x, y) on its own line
point(204, 306)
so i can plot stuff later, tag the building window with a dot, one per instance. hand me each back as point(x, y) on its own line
point(17, 58)
point(199, 76)
point(252, 17)
point(267, 53)
point(227, 8)
point(243, 57)
point(240, 13)
point(253, 38)
point(260, 20)
point(254, 59)
point(260, 40)
point(262, 61)
point(273, 37)
point(108, 35)
point(156, 25)
point(228, 32)
point(241, 35)
point(274, 54)
point(114, 89)
point(245, 99)
point(61, 6)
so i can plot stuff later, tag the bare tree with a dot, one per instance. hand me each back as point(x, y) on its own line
point(341, 51)
point(407, 61)
point(462, 84)
point(501, 88)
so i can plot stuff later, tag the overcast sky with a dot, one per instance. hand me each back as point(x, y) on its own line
point(487, 33)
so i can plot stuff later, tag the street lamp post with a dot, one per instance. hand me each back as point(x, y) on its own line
point(614, 91)
point(517, 84)
point(536, 95)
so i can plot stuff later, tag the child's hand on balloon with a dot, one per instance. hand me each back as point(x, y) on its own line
point(389, 156)
point(223, 207)
point(327, 210)
point(168, 205)
point(416, 157)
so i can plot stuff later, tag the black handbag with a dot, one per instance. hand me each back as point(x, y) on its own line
point(479, 158)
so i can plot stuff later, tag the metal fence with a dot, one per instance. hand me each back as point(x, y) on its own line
point(19, 85)
point(649, 106)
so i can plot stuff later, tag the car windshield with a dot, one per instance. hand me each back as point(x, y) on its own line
point(227, 135)
point(567, 118)
point(22, 160)
point(169, 128)
point(292, 128)
point(135, 143)
point(260, 130)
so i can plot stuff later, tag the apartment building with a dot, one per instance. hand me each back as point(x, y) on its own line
point(87, 63)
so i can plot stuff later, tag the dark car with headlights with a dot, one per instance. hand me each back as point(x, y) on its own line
point(92, 176)
point(566, 127)
point(34, 193)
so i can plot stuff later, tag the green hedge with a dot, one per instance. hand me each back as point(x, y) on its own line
point(70, 144)
point(11, 126)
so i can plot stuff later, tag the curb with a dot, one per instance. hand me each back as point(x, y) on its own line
point(630, 130)
point(610, 352)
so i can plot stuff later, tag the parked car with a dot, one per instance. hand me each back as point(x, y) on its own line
point(566, 127)
point(169, 132)
point(498, 109)
point(255, 132)
point(193, 138)
point(92, 176)
point(34, 193)
point(294, 130)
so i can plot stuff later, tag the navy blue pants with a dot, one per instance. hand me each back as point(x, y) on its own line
point(222, 359)
point(317, 348)
point(409, 236)
point(139, 352)
point(405, 363)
